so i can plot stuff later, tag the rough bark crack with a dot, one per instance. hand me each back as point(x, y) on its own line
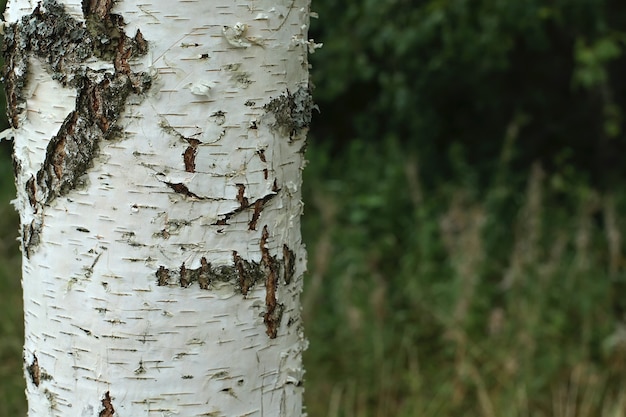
point(245, 204)
point(243, 274)
point(64, 45)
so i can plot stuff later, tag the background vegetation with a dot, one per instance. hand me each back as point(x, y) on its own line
point(465, 212)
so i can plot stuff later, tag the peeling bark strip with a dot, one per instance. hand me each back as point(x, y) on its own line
point(65, 44)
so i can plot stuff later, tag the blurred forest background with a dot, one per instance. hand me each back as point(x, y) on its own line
point(465, 212)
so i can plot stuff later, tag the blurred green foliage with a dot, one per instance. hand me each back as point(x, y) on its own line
point(433, 73)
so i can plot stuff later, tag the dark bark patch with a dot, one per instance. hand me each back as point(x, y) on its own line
point(204, 275)
point(189, 155)
point(289, 264)
point(31, 237)
point(258, 208)
point(64, 45)
point(243, 273)
point(163, 276)
point(189, 158)
point(34, 371)
point(185, 276)
point(241, 198)
point(248, 273)
point(100, 8)
point(31, 192)
point(292, 112)
point(274, 311)
point(107, 406)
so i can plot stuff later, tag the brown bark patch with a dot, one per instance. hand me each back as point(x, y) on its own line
point(34, 371)
point(274, 311)
point(185, 276)
point(204, 275)
point(189, 158)
point(100, 8)
point(289, 264)
point(241, 198)
point(163, 276)
point(248, 273)
point(107, 406)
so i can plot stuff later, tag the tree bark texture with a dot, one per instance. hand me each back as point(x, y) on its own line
point(158, 155)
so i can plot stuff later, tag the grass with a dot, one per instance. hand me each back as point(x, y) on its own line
point(452, 301)
point(446, 299)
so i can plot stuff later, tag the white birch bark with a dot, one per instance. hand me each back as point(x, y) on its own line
point(158, 168)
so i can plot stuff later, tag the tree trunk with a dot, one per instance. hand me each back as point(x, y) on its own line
point(158, 156)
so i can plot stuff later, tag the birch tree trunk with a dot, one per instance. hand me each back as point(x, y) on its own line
point(158, 156)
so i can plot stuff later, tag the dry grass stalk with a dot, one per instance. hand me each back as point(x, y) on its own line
point(528, 230)
point(613, 235)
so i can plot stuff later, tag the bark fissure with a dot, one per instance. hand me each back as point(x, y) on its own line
point(274, 310)
point(244, 204)
point(243, 274)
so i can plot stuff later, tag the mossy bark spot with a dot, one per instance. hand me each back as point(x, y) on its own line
point(292, 112)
